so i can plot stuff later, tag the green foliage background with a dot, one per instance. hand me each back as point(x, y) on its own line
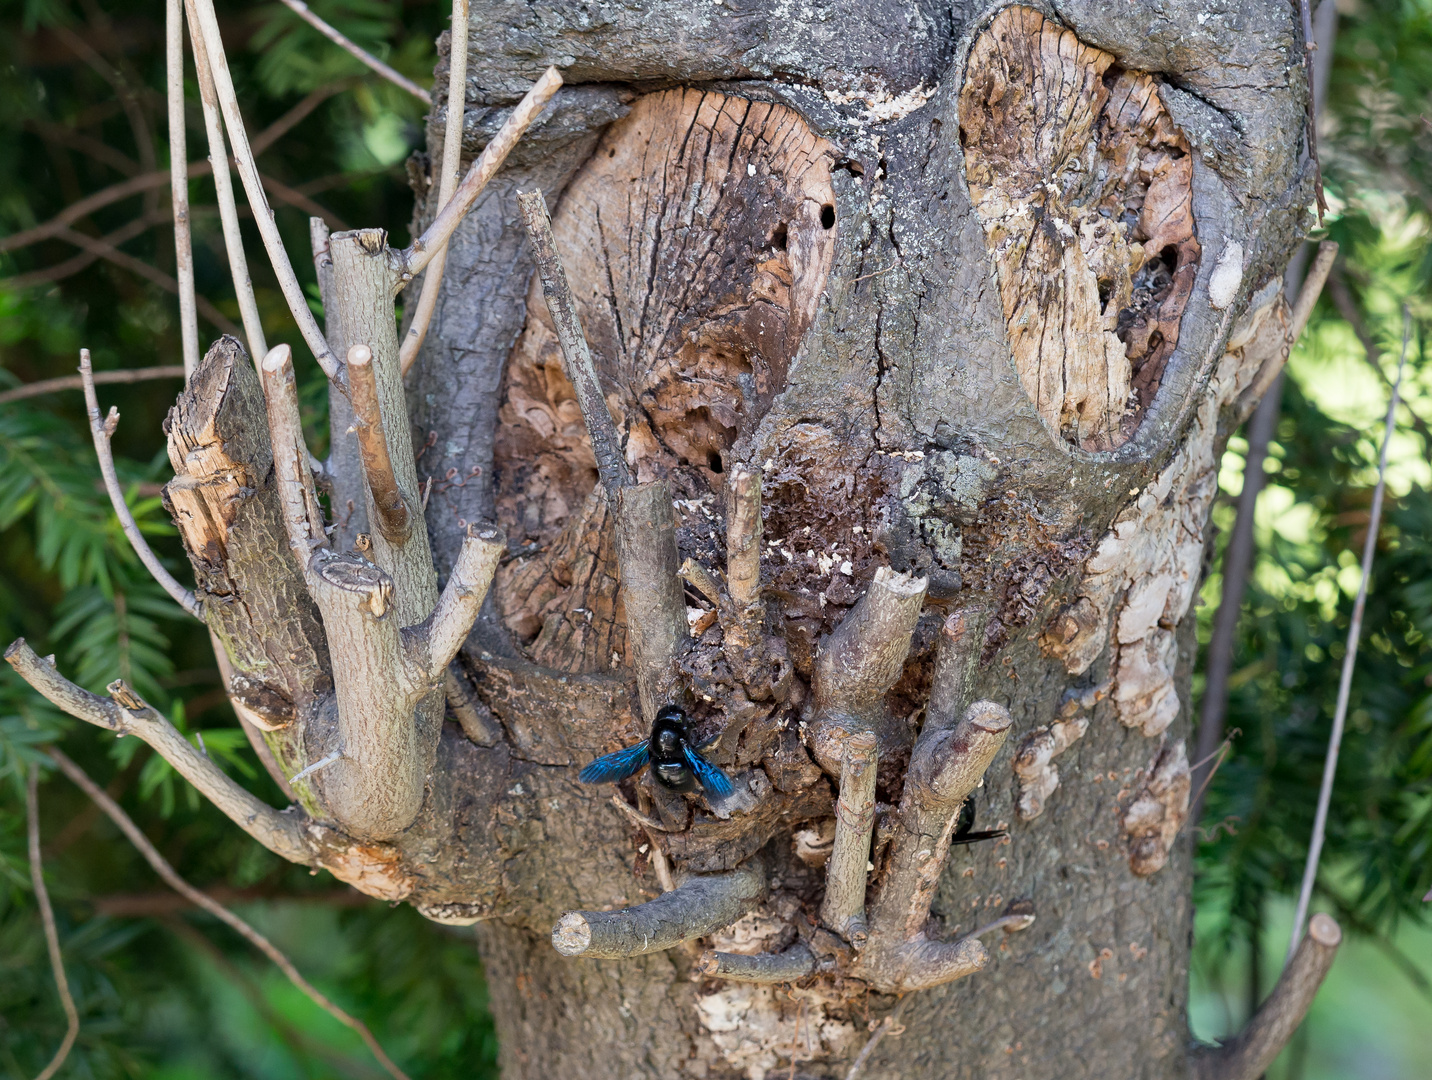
point(167, 993)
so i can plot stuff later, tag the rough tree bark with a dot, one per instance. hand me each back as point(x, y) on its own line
point(935, 320)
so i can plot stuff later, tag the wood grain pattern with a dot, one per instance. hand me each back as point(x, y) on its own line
point(1084, 187)
point(697, 240)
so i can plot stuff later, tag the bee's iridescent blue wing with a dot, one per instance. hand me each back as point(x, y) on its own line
point(614, 767)
point(712, 780)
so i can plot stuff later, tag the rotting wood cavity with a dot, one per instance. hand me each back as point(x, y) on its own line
point(697, 240)
point(1084, 187)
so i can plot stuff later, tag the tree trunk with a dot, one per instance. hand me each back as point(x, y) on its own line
point(935, 320)
point(963, 284)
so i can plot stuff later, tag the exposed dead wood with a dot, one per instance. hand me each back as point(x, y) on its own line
point(657, 629)
point(687, 314)
point(1084, 187)
point(224, 503)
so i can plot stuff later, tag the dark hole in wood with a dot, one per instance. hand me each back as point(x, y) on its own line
point(713, 462)
point(827, 217)
point(778, 238)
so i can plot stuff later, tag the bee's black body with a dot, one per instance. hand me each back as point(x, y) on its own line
point(667, 749)
point(676, 763)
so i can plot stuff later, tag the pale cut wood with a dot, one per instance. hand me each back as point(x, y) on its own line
point(1084, 188)
point(696, 249)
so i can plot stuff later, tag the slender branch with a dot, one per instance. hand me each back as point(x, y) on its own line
point(105, 250)
point(394, 520)
point(1354, 636)
point(201, 12)
point(151, 180)
point(861, 660)
point(171, 878)
point(75, 263)
point(1307, 298)
point(179, 181)
point(956, 662)
point(301, 9)
point(791, 965)
point(126, 714)
point(1347, 308)
point(447, 182)
point(302, 516)
point(651, 592)
point(47, 919)
point(100, 378)
point(463, 595)
point(1237, 563)
point(700, 905)
point(415, 258)
point(88, 205)
point(1310, 123)
point(289, 120)
point(102, 430)
point(1010, 924)
point(843, 909)
point(1248, 1055)
point(224, 192)
point(576, 355)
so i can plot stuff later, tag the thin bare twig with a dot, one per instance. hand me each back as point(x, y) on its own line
point(125, 713)
point(101, 378)
point(447, 183)
point(201, 13)
point(415, 258)
point(889, 1026)
point(179, 182)
point(1354, 635)
point(299, 8)
point(47, 918)
point(843, 909)
point(148, 181)
point(171, 878)
point(1260, 405)
point(102, 431)
point(224, 194)
point(103, 249)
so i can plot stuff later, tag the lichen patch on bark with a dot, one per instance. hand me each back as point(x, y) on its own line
point(1084, 187)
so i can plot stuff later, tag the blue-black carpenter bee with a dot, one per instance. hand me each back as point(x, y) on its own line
point(675, 763)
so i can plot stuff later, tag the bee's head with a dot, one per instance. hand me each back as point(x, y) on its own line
point(671, 714)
